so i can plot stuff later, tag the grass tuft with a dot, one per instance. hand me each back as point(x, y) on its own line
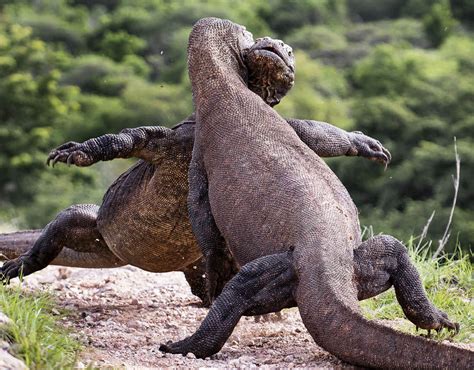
point(35, 335)
point(449, 285)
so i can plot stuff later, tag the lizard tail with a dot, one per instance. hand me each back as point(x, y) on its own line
point(12, 245)
point(72, 258)
point(332, 317)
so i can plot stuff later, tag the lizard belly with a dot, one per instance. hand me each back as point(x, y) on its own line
point(144, 217)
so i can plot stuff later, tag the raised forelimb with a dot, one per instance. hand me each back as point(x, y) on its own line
point(140, 142)
point(327, 140)
point(147, 142)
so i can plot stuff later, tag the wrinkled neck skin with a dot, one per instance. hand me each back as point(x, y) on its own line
point(216, 61)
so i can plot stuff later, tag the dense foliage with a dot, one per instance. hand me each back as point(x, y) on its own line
point(398, 70)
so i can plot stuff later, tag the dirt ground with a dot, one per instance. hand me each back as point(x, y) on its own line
point(123, 315)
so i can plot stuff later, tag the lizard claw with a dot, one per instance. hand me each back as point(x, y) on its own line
point(365, 146)
point(69, 160)
point(201, 347)
point(71, 153)
point(435, 320)
point(12, 269)
point(56, 159)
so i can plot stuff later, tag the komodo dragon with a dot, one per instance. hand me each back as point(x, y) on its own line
point(291, 224)
point(143, 219)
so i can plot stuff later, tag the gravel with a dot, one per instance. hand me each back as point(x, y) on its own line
point(122, 316)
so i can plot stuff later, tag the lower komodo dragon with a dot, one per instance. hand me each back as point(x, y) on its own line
point(143, 219)
point(255, 187)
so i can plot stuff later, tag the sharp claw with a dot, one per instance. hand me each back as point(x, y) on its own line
point(69, 160)
point(56, 159)
point(416, 328)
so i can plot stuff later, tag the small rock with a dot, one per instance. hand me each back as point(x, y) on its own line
point(5, 320)
point(7, 361)
point(190, 355)
point(63, 273)
point(134, 302)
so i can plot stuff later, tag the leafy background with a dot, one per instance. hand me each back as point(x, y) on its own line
point(399, 70)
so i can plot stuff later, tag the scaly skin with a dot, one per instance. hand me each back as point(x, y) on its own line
point(143, 219)
point(255, 187)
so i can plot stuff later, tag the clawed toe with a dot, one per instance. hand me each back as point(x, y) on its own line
point(173, 348)
point(439, 323)
point(10, 269)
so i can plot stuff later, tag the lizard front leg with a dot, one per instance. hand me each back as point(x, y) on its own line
point(327, 140)
point(383, 261)
point(220, 266)
point(262, 286)
point(140, 142)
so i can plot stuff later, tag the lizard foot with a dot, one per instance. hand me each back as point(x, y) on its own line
point(188, 345)
point(71, 153)
point(12, 269)
point(365, 146)
point(436, 320)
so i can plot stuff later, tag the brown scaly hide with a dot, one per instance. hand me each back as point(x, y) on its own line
point(268, 192)
point(144, 235)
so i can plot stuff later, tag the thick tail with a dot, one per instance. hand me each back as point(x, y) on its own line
point(333, 320)
point(12, 245)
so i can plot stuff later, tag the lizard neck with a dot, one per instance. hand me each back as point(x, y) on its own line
point(215, 60)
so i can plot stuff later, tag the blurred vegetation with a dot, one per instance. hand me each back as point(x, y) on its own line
point(399, 70)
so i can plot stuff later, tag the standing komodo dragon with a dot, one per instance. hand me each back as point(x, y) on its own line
point(291, 224)
point(143, 220)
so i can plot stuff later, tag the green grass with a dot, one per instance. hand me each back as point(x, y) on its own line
point(448, 281)
point(35, 335)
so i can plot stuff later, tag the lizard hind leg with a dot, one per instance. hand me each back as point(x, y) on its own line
point(262, 286)
point(383, 261)
point(73, 232)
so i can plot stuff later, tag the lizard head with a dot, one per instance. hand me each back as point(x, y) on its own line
point(219, 49)
point(271, 69)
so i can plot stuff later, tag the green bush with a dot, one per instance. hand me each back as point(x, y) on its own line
point(439, 22)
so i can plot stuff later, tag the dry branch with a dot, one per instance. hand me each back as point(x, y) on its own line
point(447, 232)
